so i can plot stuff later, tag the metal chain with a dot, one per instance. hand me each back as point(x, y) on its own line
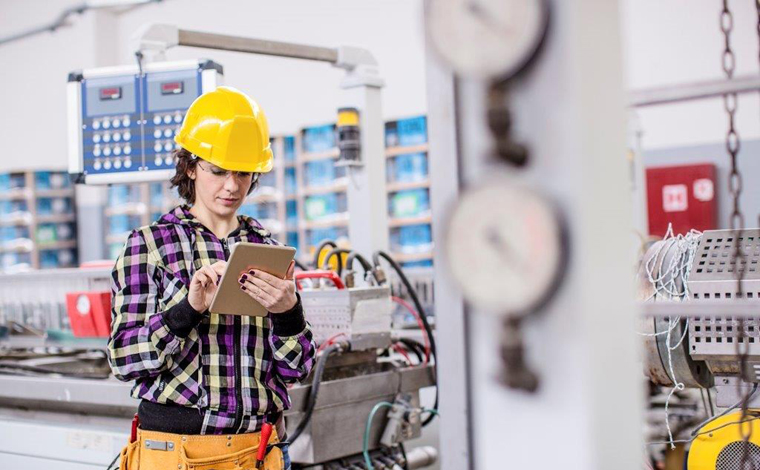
point(733, 145)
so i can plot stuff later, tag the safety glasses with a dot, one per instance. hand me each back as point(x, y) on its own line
point(222, 174)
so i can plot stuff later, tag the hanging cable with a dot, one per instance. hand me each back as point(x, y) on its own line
point(418, 317)
point(319, 249)
point(337, 252)
point(300, 265)
point(418, 305)
point(366, 266)
point(311, 402)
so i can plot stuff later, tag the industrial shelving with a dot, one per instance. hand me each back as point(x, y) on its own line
point(37, 220)
point(283, 203)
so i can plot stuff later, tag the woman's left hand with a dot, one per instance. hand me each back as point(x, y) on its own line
point(275, 294)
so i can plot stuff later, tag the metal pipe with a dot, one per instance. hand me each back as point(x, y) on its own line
point(256, 46)
point(690, 309)
point(421, 457)
point(692, 91)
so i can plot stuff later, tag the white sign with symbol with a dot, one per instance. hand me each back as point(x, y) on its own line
point(675, 198)
point(704, 190)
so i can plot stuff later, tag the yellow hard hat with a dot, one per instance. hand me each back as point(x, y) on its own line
point(227, 128)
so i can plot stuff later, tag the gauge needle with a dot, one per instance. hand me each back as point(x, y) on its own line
point(477, 10)
point(498, 242)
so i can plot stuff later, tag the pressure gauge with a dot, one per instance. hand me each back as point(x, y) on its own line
point(487, 38)
point(507, 248)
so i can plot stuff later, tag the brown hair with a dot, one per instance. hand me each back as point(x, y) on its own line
point(186, 186)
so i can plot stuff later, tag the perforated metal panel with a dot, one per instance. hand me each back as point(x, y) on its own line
point(730, 456)
point(713, 278)
point(352, 312)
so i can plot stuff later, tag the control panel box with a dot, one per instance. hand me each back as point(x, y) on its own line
point(122, 121)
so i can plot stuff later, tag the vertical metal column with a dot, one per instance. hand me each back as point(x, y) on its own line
point(449, 307)
point(570, 110)
point(367, 195)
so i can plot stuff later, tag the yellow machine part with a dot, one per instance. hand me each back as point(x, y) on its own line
point(719, 444)
point(333, 266)
point(348, 117)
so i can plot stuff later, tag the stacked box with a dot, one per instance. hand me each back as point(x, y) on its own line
point(318, 138)
point(412, 239)
point(410, 203)
point(408, 168)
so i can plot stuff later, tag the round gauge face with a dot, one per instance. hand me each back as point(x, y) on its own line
point(506, 247)
point(487, 38)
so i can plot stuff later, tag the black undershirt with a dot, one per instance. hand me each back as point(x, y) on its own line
point(174, 419)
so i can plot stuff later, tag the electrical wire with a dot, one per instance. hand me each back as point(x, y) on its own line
point(329, 341)
point(321, 247)
point(110, 465)
point(366, 265)
point(367, 427)
point(415, 299)
point(725, 412)
point(401, 351)
point(335, 252)
point(665, 280)
point(412, 348)
point(300, 265)
point(319, 369)
point(418, 317)
point(688, 441)
point(403, 453)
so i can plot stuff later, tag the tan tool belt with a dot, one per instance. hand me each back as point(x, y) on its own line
point(165, 451)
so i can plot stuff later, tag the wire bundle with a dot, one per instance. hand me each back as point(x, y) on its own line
point(668, 271)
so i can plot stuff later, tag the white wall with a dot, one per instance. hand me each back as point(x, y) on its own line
point(293, 93)
point(664, 43)
point(35, 69)
point(679, 41)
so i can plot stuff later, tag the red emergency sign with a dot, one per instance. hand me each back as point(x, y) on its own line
point(684, 196)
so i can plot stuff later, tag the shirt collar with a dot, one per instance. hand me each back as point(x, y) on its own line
point(182, 215)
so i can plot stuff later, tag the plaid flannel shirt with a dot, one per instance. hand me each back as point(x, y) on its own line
point(234, 369)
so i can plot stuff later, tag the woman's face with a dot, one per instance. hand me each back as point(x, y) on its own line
point(220, 191)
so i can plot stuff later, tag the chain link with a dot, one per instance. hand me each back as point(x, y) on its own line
point(733, 145)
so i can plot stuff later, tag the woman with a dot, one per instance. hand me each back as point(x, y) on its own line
point(207, 382)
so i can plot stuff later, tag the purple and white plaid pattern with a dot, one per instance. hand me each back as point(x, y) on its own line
point(198, 371)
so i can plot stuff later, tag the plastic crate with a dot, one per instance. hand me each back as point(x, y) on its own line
point(318, 138)
point(290, 148)
point(412, 239)
point(292, 239)
point(409, 167)
point(291, 186)
point(410, 203)
point(291, 213)
point(412, 131)
point(319, 173)
point(122, 223)
point(391, 134)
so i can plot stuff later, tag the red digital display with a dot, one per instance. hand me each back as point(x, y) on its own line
point(110, 93)
point(171, 88)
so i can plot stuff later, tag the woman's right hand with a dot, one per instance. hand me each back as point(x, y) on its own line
point(204, 284)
